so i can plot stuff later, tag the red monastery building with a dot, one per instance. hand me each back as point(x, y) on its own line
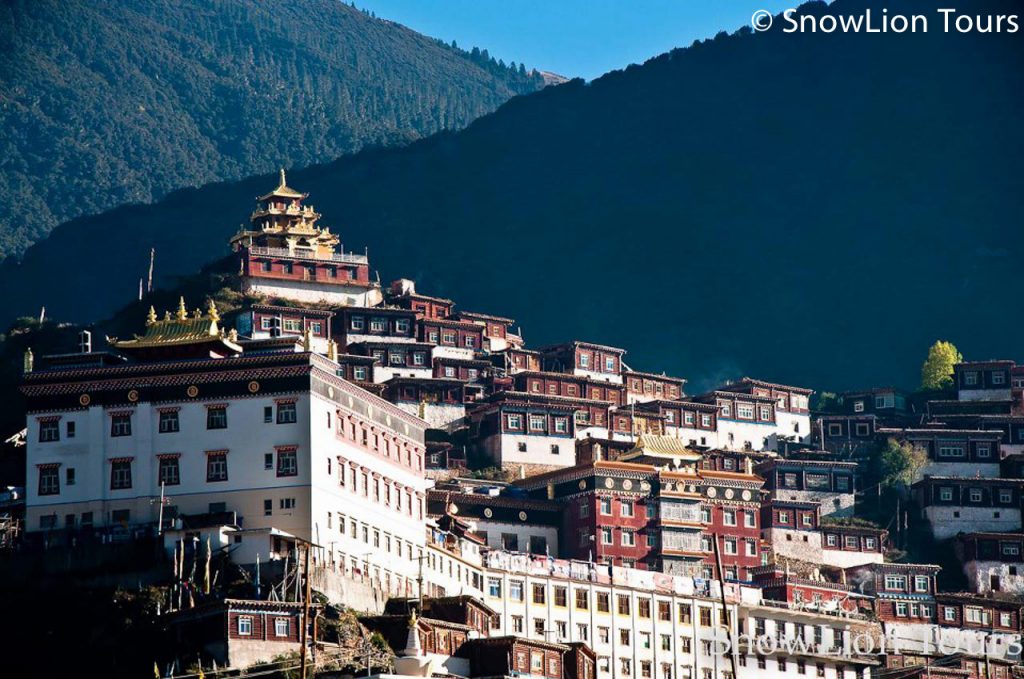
point(285, 254)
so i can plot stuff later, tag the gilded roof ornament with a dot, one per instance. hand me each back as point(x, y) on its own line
point(151, 316)
point(182, 311)
point(211, 311)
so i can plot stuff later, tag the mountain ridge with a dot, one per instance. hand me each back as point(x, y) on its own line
point(208, 91)
point(791, 207)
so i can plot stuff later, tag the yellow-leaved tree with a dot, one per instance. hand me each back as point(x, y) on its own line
point(937, 371)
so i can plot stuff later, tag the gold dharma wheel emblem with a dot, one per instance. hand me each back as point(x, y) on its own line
point(522, 516)
point(133, 395)
point(254, 386)
point(84, 400)
point(192, 391)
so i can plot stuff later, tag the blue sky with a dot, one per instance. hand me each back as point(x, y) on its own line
point(576, 38)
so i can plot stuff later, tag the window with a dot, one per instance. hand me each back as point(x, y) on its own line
point(729, 517)
point(69, 477)
point(901, 609)
point(1005, 496)
point(121, 425)
point(281, 627)
point(858, 406)
point(626, 508)
point(622, 604)
point(49, 480)
point(287, 462)
point(120, 474)
point(292, 325)
point(494, 587)
point(359, 373)
point(582, 599)
point(537, 422)
point(217, 417)
point(998, 378)
point(951, 451)
point(624, 637)
point(975, 494)
point(514, 421)
point(921, 583)
point(603, 602)
point(268, 508)
point(515, 590)
point(984, 451)
point(49, 431)
point(170, 474)
point(972, 614)
point(730, 546)
point(745, 411)
point(286, 413)
point(628, 538)
point(168, 421)
point(946, 494)
point(896, 582)
point(244, 626)
point(377, 324)
point(705, 616)
point(216, 467)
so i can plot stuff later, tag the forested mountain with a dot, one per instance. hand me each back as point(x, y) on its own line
point(811, 208)
point(106, 102)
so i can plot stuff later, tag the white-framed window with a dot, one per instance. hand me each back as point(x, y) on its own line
point(858, 406)
point(975, 494)
point(688, 418)
point(998, 379)
point(626, 508)
point(244, 626)
point(1005, 496)
point(378, 324)
point(951, 451)
point(835, 429)
point(901, 609)
point(972, 614)
point(514, 421)
point(584, 360)
point(606, 536)
point(729, 517)
point(705, 420)
point(831, 540)
point(628, 538)
point(357, 323)
point(561, 425)
point(949, 613)
point(537, 422)
point(609, 364)
point(281, 627)
point(749, 519)
point(970, 378)
point(766, 413)
point(606, 506)
point(946, 494)
point(402, 325)
point(730, 546)
point(895, 582)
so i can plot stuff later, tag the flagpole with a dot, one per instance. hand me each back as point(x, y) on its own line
point(160, 521)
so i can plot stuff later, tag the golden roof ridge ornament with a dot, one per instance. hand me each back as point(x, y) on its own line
point(151, 316)
point(182, 311)
point(211, 311)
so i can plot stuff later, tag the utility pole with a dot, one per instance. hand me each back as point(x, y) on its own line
point(160, 520)
point(305, 615)
point(725, 610)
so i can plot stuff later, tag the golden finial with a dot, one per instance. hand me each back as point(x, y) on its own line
point(332, 350)
point(167, 315)
point(211, 311)
point(282, 184)
point(233, 335)
point(197, 314)
point(151, 316)
point(182, 311)
point(29, 361)
point(307, 340)
point(412, 619)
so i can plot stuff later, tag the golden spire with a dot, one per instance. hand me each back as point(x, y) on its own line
point(332, 350)
point(282, 184)
point(307, 340)
point(211, 311)
point(182, 311)
point(29, 361)
point(151, 316)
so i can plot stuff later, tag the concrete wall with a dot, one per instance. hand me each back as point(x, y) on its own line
point(980, 573)
point(947, 522)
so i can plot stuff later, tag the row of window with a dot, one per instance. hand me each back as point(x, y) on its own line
point(745, 411)
point(899, 583)
point(537, 423)
point(291, 325)
point(977, 615)
point(308, 270)
point(169, 421)
point(384, 491)
point(169, 470)
point(400, 326)
point(244, 626)
point(1001, 495)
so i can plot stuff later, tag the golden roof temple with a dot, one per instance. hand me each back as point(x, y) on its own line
point(181, 335)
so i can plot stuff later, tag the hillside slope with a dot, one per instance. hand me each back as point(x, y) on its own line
point(812, 208)
point(104, 102)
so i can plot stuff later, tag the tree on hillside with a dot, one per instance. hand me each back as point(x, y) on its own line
point(937, 371)
point(901, 463)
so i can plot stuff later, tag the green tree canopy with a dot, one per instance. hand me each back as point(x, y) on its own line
point(937, 371)
point(901, 463)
